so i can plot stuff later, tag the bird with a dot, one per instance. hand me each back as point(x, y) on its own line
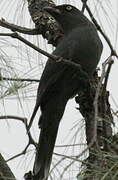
point(59, 82)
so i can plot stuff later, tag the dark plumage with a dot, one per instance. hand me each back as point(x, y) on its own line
point(59, 82)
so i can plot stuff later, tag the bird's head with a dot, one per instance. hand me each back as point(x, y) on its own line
point(67, 16)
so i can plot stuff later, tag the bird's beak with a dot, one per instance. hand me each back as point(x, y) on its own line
point(52, 11)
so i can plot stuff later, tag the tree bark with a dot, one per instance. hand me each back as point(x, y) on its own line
point(5, 171)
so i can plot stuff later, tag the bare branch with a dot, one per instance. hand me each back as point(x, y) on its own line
point(98, 91)
point(31, 140)
point(69, 145)
point(20, 29)
point(62, 159)
point(84, 5)
point(20, 154)
point(110, 63)
point(24, 120)
point(113, 52)
point(19, 79)
point(75, 158)
point(51, 56)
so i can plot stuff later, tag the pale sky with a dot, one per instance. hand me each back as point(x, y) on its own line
point(27, 63)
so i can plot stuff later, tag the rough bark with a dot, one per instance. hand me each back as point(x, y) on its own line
point(5, 171)
point(44, 23)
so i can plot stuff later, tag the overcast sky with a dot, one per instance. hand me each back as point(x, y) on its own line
point(27, 63)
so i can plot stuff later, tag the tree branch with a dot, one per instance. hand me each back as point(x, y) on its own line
point(84, 5)
point(113, 52)
point(51, 56)
point(19, 79)
point(17, 28)
point(24, 121)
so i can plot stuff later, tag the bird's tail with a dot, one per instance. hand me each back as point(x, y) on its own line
point(49, 123)
point(44, 155)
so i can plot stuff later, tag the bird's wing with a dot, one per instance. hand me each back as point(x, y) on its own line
point(52, 72)
point(51, 78)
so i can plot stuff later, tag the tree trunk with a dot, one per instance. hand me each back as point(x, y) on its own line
point(5, 171)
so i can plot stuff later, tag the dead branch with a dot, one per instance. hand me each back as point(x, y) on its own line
point(51, 56)
point(113, 52)
point(13, 27)
point(18, 79)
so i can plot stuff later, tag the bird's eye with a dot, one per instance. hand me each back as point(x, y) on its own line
point(68, 8)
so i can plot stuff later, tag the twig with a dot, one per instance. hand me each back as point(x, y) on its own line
point(51, 56)
point(109, 171)
point(20, 154)
point(75, 158)
point(110, 63)
point(63, 158)
point(69, 145)
point(85, 150)
point(17, 36)
point(24, 120)
point(19, 79)
point(65, 169)
point(95, 103)
point(78, 156)
point(104, 94)
point(31, 140)
point(84, 5)
point(113, 52)
point(17, 28)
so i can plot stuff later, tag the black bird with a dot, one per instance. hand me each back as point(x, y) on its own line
point(59, 82)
